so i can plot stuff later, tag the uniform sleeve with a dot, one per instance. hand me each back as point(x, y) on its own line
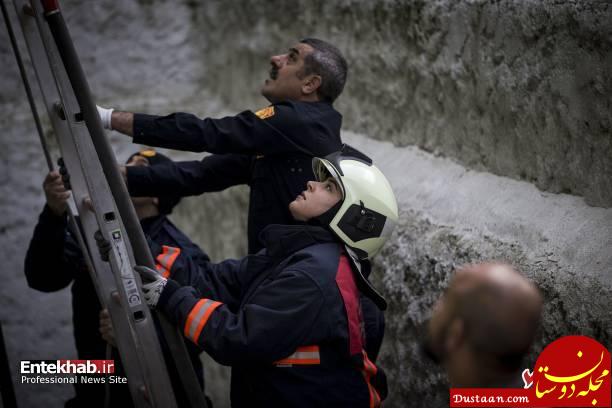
point(275, 132)
point(278, 318)
point(49, 263)
point(188, 178)
point(221, 281)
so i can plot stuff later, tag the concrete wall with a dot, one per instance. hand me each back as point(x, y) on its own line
point(516, 88)
point(491, 119)
point(452, 216)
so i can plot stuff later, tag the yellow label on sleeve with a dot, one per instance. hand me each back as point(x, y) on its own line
point(147, 153)
point(265, 113)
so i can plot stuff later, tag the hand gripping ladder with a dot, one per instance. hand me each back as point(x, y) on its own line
point(90, 163)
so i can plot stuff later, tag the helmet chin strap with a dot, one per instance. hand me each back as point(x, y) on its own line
point(362, 282)
point(325, 219)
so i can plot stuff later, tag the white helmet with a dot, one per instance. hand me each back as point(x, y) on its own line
point(368, 212)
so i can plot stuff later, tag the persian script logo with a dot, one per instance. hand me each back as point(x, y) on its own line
point(573, 371)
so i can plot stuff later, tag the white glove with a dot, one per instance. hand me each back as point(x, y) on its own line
point(152, 284)
point(105, 116)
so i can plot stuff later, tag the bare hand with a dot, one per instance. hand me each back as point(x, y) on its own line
point(106, 328)
point(88, 204)
point(56, 193)
point(123, 172)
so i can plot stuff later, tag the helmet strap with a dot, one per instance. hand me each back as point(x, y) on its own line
point(364, 285)
point(326, 218)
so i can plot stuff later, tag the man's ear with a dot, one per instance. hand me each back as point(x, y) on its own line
point(156, 201)
point(455, 336)
point(312, 83)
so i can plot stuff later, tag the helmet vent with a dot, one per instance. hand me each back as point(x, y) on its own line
point(360, 223)
point(367, 221)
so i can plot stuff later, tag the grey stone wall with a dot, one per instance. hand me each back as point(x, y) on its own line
point(516, 88)
point(453, 216)
point(491, 119)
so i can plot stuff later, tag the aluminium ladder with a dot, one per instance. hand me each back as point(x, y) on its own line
point(86, 153)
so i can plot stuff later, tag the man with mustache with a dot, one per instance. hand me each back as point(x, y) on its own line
point(270, 149)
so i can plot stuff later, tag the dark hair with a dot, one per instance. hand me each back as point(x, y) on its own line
point(327, 61)
point(166, 202)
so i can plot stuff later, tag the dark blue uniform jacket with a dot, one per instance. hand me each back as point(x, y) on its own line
point(288, 320)
point(270, 150)
point(54, 260)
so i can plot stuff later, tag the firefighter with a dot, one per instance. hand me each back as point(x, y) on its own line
point(270, 149)
point(54, 260)
point(483, 326)
point(288, 319)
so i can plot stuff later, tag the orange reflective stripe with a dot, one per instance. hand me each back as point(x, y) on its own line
point(160, 268)
point(308, 349)
point(369, 370)
point(305, 355)
point(191, 316)
point(166, 259)
point(197, 318)
point(368, 366)
point(298, 361)
point(204, 319)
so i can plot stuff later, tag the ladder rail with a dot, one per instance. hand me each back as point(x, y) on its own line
point(8, 397)
point(72, 138)
point(136, 337)
point(140, 249)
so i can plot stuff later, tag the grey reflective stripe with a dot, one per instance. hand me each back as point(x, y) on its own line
point(166, 258)
point(196, 319)
point(304, 355)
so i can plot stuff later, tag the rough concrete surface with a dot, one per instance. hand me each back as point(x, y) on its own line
point(480, 112)
point(517, 88)
point(452, 216)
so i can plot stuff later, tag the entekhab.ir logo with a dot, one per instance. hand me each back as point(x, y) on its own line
point(573, 371)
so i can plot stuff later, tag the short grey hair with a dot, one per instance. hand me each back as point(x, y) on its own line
point(326, 61)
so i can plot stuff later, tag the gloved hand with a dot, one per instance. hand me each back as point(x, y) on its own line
point(104, 246)
point(105, 117)
point(152, 284)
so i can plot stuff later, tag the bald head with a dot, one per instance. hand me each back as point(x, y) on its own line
point(500, 310)
point(489, 314)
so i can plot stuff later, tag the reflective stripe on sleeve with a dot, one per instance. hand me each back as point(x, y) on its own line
point(305, 355)
point(166, 259)
point(197, 318)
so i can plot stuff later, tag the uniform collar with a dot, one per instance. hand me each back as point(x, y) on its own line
point(284, 240)
point(151, 225)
